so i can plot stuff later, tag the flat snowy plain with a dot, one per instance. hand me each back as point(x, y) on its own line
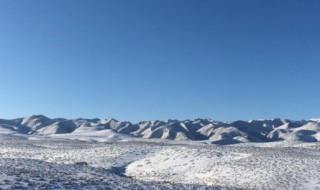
point(60, 162)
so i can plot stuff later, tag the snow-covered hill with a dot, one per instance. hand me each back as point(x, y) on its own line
point(196, 130)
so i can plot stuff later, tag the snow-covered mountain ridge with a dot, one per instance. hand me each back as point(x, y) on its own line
point(199, 129)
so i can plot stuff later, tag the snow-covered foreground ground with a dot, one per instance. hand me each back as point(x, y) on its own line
point(46, 163)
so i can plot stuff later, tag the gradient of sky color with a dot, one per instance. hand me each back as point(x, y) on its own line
point(146, 59)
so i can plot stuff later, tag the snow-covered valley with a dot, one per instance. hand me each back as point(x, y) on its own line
point(73, 164)
point(99, 156)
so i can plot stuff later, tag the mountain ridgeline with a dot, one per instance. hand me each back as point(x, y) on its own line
point(196, 130)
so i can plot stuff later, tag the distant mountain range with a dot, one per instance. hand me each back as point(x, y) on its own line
point(266, 130)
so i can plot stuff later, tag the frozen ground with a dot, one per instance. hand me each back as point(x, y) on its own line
point(53, 163)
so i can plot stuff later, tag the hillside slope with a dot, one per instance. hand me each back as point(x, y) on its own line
point(267, 130)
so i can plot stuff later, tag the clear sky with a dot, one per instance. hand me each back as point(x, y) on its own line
point(148, 59)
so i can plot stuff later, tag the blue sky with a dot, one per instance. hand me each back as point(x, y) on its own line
point(146, 59)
